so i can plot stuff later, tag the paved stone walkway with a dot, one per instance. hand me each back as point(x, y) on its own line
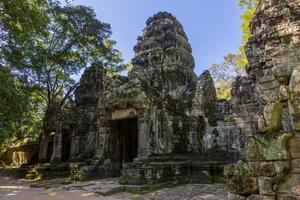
point(14, 189)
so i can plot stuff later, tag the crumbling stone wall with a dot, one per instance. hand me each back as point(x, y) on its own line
point(270, 170)
point(182, 126)
point(21, 154)
point(86, 111)
point(178, 114)
point(221, 137)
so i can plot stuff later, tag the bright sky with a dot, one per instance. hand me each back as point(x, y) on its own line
point(212, 26)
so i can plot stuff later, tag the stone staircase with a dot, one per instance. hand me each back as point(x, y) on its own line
point(177, 170)
point(32, 173)
point(84, 170)
point(47, 170)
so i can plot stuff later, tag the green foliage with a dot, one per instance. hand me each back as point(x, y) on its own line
point(20, 115)
point(21, 18)
point(246, 20)
point(234, 64)
point(248, 4)
point(128, 66)
point(72, 39)
point(224, 74)
point(44, 46)
point(19, 109)
point(223, 90)
point(249, 7)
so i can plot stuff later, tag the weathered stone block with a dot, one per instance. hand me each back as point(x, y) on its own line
point(261, 148)
point(269, 95)
point(281, 167)
point(273, 51)
point(282, 73)
point(295, 166)
point(265, 185)
point(293, 146)
point(291, 185)
point(294, 102)
point(241, 169)
point(267, 169)
point(271, 119)
point(260, 197)
point(287, 197)
point(283, 93)
point(243, 185)
point(232, 196)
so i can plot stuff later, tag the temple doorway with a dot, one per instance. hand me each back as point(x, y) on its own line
point(50, 148)
point(125, 140)
point(66, 145)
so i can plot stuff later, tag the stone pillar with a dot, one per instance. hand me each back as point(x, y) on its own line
point(73, 144)
point(143, 140)
point(57, 145)
point(44, 147)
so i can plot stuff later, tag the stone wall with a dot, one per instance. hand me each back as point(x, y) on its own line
point(181, 124)
point(23, 154)
point(181, 128)
point(270, 170)
point(222, 137)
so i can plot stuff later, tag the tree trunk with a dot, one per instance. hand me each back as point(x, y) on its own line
point(45, 135)
point(57, 145)
point(44, 141)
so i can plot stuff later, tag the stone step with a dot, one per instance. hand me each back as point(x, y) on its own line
point(106, 191)
point(79, 171)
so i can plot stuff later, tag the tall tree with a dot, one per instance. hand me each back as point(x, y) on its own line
point(234, 64)
point(19, 106)
point(20, 20)
point(72, 39)
point(225, 73)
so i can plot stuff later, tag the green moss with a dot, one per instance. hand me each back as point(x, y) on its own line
point(264, 148)
point(275, 124)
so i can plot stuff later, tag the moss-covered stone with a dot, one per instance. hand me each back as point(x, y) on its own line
point(294, 102)
point(262, 148)
point(272, 120)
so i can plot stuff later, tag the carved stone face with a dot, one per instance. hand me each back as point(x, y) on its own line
point(163, 59)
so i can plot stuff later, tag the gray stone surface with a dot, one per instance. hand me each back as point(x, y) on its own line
point(177, 115)
point(272, 51)
point(11, 188)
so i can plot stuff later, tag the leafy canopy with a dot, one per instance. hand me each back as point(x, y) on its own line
point(225, 73)
point(20, 114)
point(44, 46)
point(234, 64)
point(72, 39)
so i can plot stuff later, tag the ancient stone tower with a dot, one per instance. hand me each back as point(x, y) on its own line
point(159, 123)
point(271, 167)
point(163, 123)
point(164, 66)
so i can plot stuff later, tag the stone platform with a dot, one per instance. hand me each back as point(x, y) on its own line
point(12, 188)
point(172, 169)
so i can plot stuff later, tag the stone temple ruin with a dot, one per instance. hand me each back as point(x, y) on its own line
point(163, 123)
point(159, 122)
point(271, 166)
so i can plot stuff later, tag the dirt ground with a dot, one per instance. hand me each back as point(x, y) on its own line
point(12, 188)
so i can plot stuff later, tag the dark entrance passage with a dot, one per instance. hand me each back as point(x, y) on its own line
point(66, 146)
point(125, 140)
point(50, 148)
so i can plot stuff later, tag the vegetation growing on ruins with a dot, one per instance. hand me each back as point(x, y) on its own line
point(44, 45)
point(234, 64)
point(41, 52)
